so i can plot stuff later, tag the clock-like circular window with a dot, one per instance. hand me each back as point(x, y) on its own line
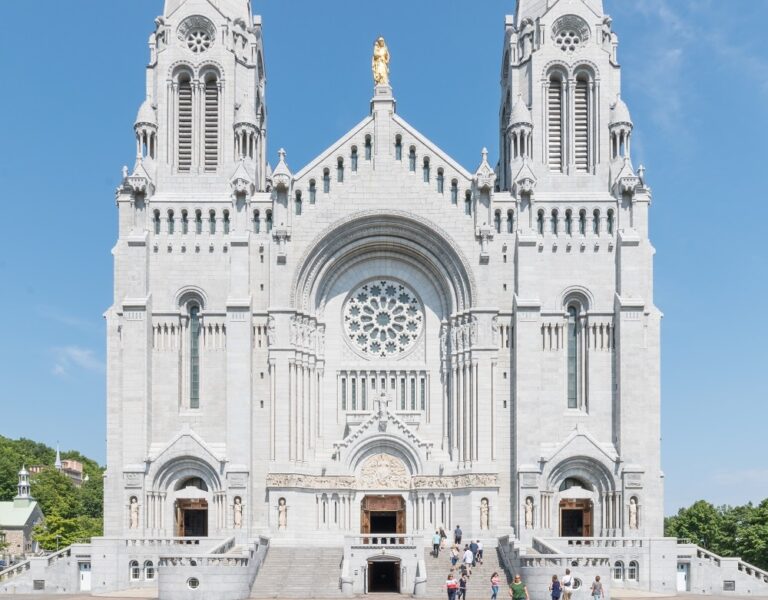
point(197, 33)
point(383, 318)
point(570, 32)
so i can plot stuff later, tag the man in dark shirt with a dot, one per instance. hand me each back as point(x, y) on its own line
point(457, 535)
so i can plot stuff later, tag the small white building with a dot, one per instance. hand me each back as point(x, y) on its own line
point(17, 521)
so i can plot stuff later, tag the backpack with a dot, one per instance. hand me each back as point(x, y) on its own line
point(556, 590)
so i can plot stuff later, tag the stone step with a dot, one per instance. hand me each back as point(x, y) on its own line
point(291, 572)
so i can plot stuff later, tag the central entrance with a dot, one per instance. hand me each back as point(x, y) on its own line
point(382, 515)
point(384, 576)
point(192, 518)
point(575, 518)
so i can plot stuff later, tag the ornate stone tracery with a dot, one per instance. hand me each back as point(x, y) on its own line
point(384, 472)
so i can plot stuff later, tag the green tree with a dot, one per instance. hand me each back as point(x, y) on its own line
point(59, 532)
point(92, 497)
point(702, 523)
point(56, 494)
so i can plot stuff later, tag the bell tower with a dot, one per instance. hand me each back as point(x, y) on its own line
point(560, 71)
point(204, 115)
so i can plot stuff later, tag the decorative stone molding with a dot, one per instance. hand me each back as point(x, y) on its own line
point(471, 480)
point(485, 177)
point(316, 482)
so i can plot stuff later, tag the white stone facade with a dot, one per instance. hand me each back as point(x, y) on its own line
point(257, 317)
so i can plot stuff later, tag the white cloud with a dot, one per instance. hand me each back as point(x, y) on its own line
point(67, 358)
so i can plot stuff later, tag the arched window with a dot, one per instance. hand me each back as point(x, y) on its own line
point(618, 571)
point(256, 222)
point(440, 181)
point(581, 125)
point(211, 125)
point(575, 378)
point(312, 191)
point(353, 159)
point(398, 147)
point(171, 223)
point(540, 222)
point(568, 222)
point(226, 223)
point(555, 222)
point(412, 159)
point(269, 221)
point(633, 571)
point(149, 570)
point(583, 222)
point(326, 181)
point(468, 203)
point(368, 149)
point(425, 170)
point(198, 222)
point(297, 203)
point(156, 221)
point(134, 570)
point(194, 356)
point(510, 221)
point(555, 122)
point(212, 222)
point(609, 222)
point(184, 222)
point(454, 192)
point(340, 170)
point(497, 221)
point(184, 123)
point(596, 222)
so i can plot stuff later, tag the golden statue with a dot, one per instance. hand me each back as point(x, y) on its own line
point(380, 62)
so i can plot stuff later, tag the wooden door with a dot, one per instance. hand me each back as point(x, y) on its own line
point(587, 519)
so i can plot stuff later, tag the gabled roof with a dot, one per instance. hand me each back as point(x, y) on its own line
point(533, 9)
point(12, 515)
point(234, 9)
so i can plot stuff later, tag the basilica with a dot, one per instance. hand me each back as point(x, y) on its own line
point(357, 352)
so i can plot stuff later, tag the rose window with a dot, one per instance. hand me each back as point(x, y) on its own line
point(570, 32)
point(198, 41)
point(197, 33)
point(383, 318)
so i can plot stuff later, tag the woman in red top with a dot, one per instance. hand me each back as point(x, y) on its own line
point(451, 585)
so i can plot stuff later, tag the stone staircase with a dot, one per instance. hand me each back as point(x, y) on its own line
point(479, 584)
point(298, 572)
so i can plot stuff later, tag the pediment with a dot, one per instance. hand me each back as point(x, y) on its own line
point(186, 443)
point(580, 442)
point(383, 429)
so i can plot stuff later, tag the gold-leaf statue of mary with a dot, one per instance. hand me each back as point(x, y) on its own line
point(380, 62)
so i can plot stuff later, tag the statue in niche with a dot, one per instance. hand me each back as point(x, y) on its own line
point(633, 513)
point(444, 340)
point(282, 514)
point(495, 330)
point(238, 512)
point(134, 512)
point(484, 513)
point(529, 513)
point(380, 62)
point(271, 337)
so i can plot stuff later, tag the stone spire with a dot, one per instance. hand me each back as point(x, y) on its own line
point(234, 9)
point(57, 463)
point(533, 9)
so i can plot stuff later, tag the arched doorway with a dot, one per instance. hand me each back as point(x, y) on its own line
point(384, 575)
point(576, 508)
point(191, 508)
point(382, 515)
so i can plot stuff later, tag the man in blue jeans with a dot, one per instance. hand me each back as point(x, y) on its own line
point(436, 539)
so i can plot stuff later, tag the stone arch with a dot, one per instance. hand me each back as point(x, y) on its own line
point(578, 293)
point(183, 468)
point(372, 232)
point(595, 472)
point(387, 444)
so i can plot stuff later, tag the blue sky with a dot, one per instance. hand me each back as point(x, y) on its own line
point(696, 81)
